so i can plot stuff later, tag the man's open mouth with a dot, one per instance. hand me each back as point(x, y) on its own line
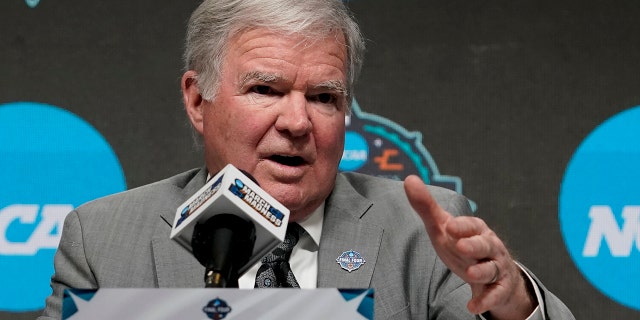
point(292, 161)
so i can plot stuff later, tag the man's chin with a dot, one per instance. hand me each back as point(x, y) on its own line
point(299, 204)
point(301, 197)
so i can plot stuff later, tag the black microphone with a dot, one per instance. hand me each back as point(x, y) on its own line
point(228, 225)
point(222, 245)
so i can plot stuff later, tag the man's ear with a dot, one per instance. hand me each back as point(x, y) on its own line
point(193, 102)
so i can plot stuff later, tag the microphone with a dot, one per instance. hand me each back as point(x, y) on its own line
point(228, 225)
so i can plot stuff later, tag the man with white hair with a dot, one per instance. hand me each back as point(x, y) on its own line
point(267, 87)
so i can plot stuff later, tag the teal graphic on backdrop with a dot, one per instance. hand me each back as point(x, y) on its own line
point(51, 161)
point(378, 146)
point(32, 3)
point(599, 208)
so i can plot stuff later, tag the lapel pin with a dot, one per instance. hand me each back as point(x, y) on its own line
point(350, 260)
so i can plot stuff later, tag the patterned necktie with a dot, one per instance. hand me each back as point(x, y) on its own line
point(275, 271)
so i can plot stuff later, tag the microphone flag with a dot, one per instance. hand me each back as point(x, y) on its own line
point(232, 192)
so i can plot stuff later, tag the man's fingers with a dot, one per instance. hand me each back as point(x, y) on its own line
point(432, 215)
point(485, 272)
point(476, 247)
point(462, 227)
point(488, 297)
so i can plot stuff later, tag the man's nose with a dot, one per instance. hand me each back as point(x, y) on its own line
point(294, 116)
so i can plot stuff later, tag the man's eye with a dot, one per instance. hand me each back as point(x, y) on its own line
point(262, 90)
point(326, 98)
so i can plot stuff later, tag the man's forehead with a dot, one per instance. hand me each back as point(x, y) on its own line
point(270, 57)
point(252, 40)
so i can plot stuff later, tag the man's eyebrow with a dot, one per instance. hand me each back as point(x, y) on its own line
point(259, 76)
point(264, 77)
point(332, 85)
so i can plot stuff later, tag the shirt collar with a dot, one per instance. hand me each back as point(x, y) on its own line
point(313, 227)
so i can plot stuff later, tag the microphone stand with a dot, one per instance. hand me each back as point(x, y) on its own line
point(222, 244)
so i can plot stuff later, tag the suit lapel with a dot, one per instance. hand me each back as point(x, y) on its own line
point(345, 229)
point(174, 265)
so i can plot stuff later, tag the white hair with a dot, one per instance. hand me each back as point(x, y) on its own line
point(215, 22)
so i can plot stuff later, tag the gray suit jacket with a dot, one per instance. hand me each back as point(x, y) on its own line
point(123, 241)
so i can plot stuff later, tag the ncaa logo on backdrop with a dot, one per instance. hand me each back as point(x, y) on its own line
point(600, 208)
point(51, 161)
